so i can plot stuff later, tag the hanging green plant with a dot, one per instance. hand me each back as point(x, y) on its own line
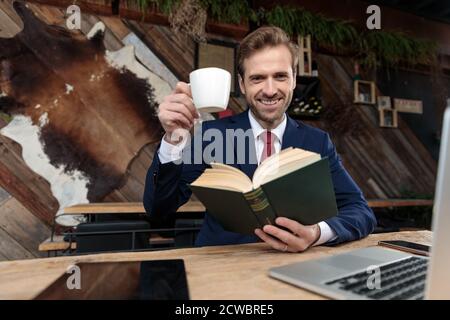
point(228, 11)
point(391, 48)
point(370, 48)
point(332, 34)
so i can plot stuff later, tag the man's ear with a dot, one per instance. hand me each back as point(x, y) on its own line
point(241, 84)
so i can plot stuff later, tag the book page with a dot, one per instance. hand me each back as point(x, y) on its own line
point(282, 164)
point(273, 158)
point(224, 177)
point(218, 165)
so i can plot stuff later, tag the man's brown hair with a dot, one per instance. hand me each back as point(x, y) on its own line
point(262, 38)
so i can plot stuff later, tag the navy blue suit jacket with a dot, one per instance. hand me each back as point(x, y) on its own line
point(166, 186)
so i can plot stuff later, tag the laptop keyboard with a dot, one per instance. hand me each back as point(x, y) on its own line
point(400, 280)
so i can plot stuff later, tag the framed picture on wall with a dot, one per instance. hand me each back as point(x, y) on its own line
point(220, 54)
point(388, 118)
point(364, 92)
point(384, 102)
point(408, 106)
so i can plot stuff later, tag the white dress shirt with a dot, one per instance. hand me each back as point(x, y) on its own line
point(258, 130)
point(168, 153)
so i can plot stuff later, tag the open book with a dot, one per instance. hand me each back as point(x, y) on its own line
point(293, 183)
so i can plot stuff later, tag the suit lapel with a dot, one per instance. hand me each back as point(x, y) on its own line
point(293, 135)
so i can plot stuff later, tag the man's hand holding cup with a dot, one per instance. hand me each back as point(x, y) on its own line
point(176, 112)
point(208, 91)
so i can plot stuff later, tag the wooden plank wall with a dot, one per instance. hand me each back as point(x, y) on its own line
point(384, 162)
point(32, 189)
point(176, 51)
point(20, 230)
point(21, 182)
point(26, 215)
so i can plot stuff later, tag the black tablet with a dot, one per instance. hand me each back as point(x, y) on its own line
point(146, 280)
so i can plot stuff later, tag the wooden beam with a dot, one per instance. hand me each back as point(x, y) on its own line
point(29, 188)
point(151, 16)
point(385, 203)
point(11, 249)
point(24, 195)
point(21, 225)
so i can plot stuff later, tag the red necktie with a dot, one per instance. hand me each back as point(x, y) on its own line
point(268, 139)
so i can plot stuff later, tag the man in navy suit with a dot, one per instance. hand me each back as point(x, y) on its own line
point(267, 61)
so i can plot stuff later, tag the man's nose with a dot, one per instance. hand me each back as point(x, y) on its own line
point(269, 89)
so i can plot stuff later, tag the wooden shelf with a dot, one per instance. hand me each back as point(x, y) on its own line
point(357, 92)
point(304, 56)
point(388, 118)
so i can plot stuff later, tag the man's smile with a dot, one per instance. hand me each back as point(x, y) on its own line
point(269, 104)
point(269, 101)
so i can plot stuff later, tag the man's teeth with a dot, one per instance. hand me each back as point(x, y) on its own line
point(270, 102)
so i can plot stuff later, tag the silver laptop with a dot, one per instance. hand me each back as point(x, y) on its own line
point(383, 273)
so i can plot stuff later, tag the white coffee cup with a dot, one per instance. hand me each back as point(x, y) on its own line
point(210, 89)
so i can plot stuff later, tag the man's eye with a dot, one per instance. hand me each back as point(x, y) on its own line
point(281, 77)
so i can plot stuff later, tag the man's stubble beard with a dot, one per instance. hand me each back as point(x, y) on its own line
point(270, 120)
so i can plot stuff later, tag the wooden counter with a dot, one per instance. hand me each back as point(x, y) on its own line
point(220, 272)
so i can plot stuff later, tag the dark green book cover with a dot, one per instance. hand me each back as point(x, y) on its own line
point(305, 195)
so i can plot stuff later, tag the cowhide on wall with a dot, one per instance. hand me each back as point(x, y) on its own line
point(79, 112)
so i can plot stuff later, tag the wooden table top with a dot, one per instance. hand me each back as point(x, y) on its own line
point(197, 206)
point(219, 272)
point(124, 207)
